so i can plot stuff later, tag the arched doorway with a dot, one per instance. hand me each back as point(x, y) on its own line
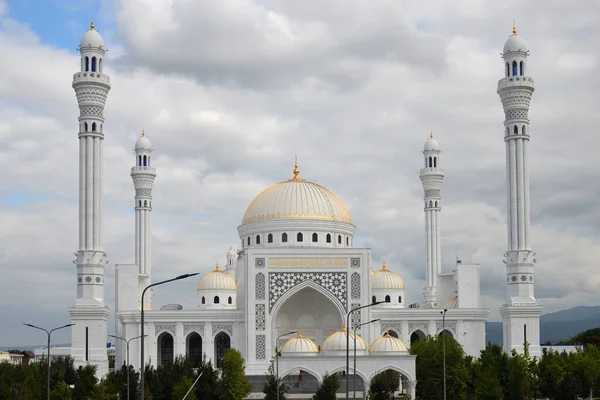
point(389, 384)
point(222, 343)
point(416, 336)
point(447, 333)
point(308, 311)
point(165, 349)
point(300, 380)
point(194, 348)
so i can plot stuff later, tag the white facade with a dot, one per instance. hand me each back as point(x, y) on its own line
point(90, 313)
point(521, 313)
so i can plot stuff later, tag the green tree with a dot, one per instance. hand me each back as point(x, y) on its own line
point(522, 376)
point(490, 373)
point(328, 388)
point(551, 373)
point(235, 382)
point(588, 367)
point(591, 336)
point(61, 391)
point(86, 382)
point(207, 387)
point(270, 388)
point(180, 390)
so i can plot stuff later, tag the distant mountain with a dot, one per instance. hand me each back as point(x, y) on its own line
point(556, 326)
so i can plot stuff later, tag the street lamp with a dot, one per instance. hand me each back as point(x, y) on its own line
point(348, 341)
point(354, 368)
point(277, 359)
point(49, 333)
point(142, 365)
point(444, 346)
point(126, 341)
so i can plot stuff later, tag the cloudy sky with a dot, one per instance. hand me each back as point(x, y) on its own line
point(229, 91)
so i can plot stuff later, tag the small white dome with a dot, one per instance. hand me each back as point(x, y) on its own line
point(337, 341)
point(231, 252)
point(515, 43)
point(299, 344)
point(217, 280)
point(431, 144)
point(91, 38)
point(387, 344)
point(386, 279)
point(143, 143)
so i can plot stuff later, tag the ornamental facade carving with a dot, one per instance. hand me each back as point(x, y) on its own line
point(281, 282)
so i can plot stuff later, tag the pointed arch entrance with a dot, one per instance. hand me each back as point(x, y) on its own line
point(222, 343)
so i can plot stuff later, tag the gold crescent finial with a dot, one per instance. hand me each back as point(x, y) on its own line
point(384, 267)
point(296, 170)
point(143, 134)
point(430, 133)
point(92, 25)
point(514, 27)
point(217, 267)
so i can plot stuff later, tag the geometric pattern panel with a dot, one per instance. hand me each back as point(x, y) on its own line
point(355, 286)
point(158, 329)
point(259, 263)
point(516, 113)
point(355, 262)
point(260, 317)
point(432, 193)
point(225, 328)
point(259, 286)
point(355, 317)
point(281, 282)
point(187, 329)
point(261, 347)
point(450, 327)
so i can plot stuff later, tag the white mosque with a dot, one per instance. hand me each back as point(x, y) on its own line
point(296, 268)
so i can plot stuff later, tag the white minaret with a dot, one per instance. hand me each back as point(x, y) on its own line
point(432, 177)
point(143, 175)
point(231, 262)
point(521, 313)
point(90, 312)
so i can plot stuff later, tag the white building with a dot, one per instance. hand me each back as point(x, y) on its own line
point(296, 269)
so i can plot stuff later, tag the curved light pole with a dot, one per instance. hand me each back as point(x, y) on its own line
point(348, 341)
point(444, 346)
point(277, 359)
point(126, 341)
point(142, 365)
point(354, 368)
point(48, 332)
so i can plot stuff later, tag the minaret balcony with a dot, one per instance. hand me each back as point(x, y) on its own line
point(516, 81)
point(91, 76)
point(141, 170)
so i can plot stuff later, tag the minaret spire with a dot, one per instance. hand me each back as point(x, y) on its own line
point(521, 312)
point(90, 313)
point(432, 177)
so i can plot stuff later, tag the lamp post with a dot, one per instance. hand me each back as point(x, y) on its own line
point(277, 360)
point(348, 341)
point(444, 346)
point(142, 365)
point(126, 341)
point(48, 332)
point(354, 368)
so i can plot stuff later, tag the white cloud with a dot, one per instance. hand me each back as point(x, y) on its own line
point(229, 93)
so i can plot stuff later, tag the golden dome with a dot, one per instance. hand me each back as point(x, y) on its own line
point(299, 344)
point(386, 279)
point(337, 341)
point(452, 303)
point(297, 198)
point(387, 343)
point(217, 280)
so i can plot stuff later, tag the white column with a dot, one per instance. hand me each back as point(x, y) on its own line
point(438, 244)
point(521, 197)
point(82, 192)
point(96, 208)
point(526, 193)
point(89, 192)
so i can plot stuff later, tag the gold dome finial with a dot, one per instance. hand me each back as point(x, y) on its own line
point(217, 267)
point(430, 133)
point(296, 170)
point(230, 247)
point(514, 28)
point(384, 267)
point(143, 134)
point(92, 25)
point(343, 328)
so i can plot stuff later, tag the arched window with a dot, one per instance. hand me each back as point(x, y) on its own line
point(257, 239)
point(165, 349)
point(514, 68)
point(315, 237)
point(328, 238)
point(430, 203)
point(145, 161)
point(229, 300)
point(430, 162)
point(339, 239)
point(388, 299)
point(99, 65)
point(203, 300)
point(140, 161)
point(436, 204)
point(85, 126)
point(93, 127)
point(516, 130)
point(347, 241)
point(523, 131)
point(393, 333)
point(222, 343)
point(248, 240)
point(399, 299)
point(194, 348)
point(521, 68)
point(140, 203)
point(284, 237)
point(507, 70)
point(299, 237)
point(93, 64)
point(434, 162)
point(216, 300)
point(270, 238)
point(87, 64)
point(145, 203)
point(374, 299)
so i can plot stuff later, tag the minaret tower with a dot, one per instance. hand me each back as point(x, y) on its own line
point(521, 313)
point(432, 177)
point(143, 175)
point(90, 312)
